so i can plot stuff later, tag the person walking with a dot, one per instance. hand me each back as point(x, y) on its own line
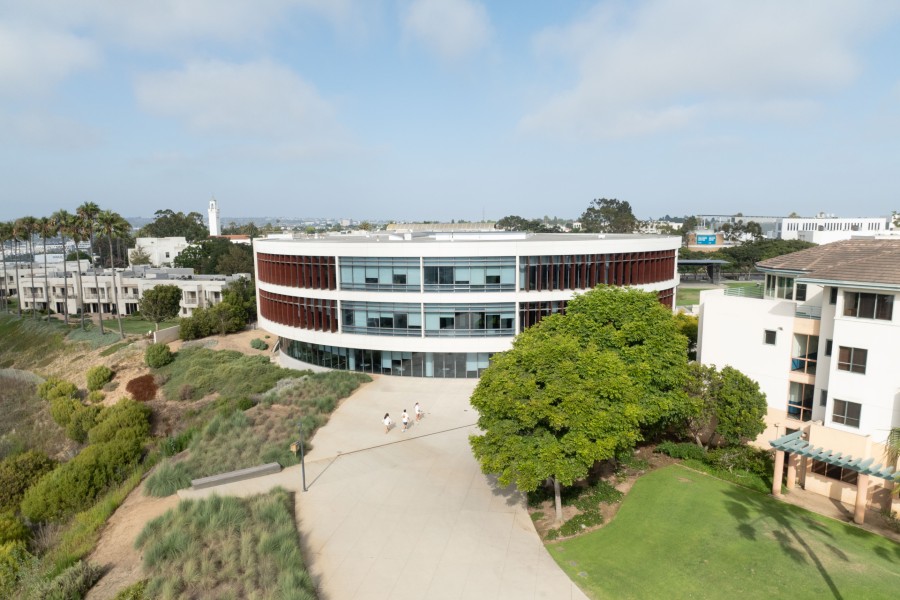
point(404, 418)
point(419, 412)
point(387, 422)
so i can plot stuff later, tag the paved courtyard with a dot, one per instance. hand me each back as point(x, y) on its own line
point(409, 514)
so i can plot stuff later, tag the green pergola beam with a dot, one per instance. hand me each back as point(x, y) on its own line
point(795, 444)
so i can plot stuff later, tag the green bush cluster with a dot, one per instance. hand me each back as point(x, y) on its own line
point(175, 444)
point(76, 484)
point(83, 420)
point(12, 529)
point(742, 458)
point(126, 420)
point(682, 450)
point(158, 355)
point(258, 344)
point(98, 376)
point(219, 319)
point(14, 559)
point(54, 387)
point(18, 473)
point(96, 397)
point(135, 591)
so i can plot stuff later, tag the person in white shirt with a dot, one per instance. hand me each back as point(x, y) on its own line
point(419, 412)
point(405, 419)
point(387, 422)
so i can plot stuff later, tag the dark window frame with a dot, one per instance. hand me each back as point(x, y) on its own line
point(773, 336)
point(843, 413)
point(852, 360)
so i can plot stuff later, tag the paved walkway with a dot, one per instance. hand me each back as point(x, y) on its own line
point(409, 514)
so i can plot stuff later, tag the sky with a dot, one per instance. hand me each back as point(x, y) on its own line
point(450, 109)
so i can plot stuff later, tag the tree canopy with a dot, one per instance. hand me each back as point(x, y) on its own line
point(727, 406)
point(579, 388)
point(176, 224)
point(608, 215)
point(517, 223)
point(216, 256)
point(160, 303)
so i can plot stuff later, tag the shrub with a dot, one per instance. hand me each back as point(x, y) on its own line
point(62, 409)
point(18, 473)
point(55, 387)
point(14, 557)
point(158, 355)
point(258, 344)
point(95, 397)
point(741, 458)
point(12, 529)
point(74, 582)
point(98, 376)
point(127, 420)
point(142, 388)
point(174, 444)
point(77, 483)
point(582, 521)
point(683, 450)
point(168, 479)
point(83, 420)
point(136, 591)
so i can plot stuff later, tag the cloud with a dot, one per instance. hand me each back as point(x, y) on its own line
point(44, 130)
point(154, 25)
point(452, 29)
point(33, 60)
point(261, 99)
point(667, 64)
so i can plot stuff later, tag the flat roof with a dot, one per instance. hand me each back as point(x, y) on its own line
point(462, 237)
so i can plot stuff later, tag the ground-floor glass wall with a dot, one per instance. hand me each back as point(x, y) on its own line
point(453, 365)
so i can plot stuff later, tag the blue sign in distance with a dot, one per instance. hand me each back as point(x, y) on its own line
point(706, 239)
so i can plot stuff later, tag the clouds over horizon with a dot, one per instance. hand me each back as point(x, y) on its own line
point(452, 29)
point(663, 65)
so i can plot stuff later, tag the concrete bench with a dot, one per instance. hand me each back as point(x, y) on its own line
point(232, 476)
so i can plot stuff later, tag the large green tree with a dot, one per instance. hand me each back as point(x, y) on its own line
point(728, 406)
point(608, 215)
point(169, 223)
point(580, 388)
point(160, 303)
point(241, 293)
point(87, 214)
point(203, 257)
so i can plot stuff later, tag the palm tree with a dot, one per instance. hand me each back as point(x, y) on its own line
point(18, 231)
point(78, 234)
point(29, 227)
point(46, 228)
point(6, 235)
point(62, 221)
point(88, 212)
point(111, 224)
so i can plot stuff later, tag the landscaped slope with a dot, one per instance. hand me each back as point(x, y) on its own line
point(683, 534)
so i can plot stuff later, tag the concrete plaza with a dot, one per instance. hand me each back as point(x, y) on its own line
point(408, 515)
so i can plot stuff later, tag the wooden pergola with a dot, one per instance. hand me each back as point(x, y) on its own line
point(794, 444)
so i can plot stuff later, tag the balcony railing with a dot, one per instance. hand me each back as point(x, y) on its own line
point(808, 311)
point(747, 291)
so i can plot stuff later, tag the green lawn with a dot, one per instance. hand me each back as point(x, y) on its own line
point(135, 325)
point(688, 296)
point(682, 534)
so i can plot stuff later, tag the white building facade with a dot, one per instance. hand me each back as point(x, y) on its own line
point(823, 341)
point(826, 229)
point(437, 305)
point(162, 251)
point(77, 289)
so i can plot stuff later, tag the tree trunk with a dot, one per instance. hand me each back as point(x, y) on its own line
point(116, 290)
point(31, 270)
point(46, 282)
point(65, 281)
point(18, 288)
point(97, 287)
point(557, 496)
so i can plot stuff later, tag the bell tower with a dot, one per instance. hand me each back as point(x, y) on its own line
point(214, 228)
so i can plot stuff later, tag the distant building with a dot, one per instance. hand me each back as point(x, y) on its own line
point(822, 339)
point(824, 229)
point(437, 304)
point(77, 285)
point(215, 227)
point(162, 251)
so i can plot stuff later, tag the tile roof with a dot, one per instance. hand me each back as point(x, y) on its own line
point(858, 260)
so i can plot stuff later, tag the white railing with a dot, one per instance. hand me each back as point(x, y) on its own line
point(808, 311)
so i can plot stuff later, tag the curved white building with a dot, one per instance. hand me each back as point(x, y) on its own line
point(437, 305)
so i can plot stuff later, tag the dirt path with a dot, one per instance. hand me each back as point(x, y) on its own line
point(115, 551)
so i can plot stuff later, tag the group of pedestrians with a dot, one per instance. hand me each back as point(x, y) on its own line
point(404, 418)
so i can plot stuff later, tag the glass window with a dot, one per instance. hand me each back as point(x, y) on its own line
point(823, 397)
point(846, 413)
point(801, 292)
point(834, 472)
point(832, 296)
point(829, 344)
point(467, 274)
point(804, 353)
point(868, 306)
point(380, 274)
point(469, 320)
point(800, 401)
point(382, 318)
point(769, 337)
point(852, 359)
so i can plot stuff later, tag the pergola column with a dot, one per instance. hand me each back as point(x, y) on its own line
point(776, 476)
point(791, 471)
point(862, 492)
